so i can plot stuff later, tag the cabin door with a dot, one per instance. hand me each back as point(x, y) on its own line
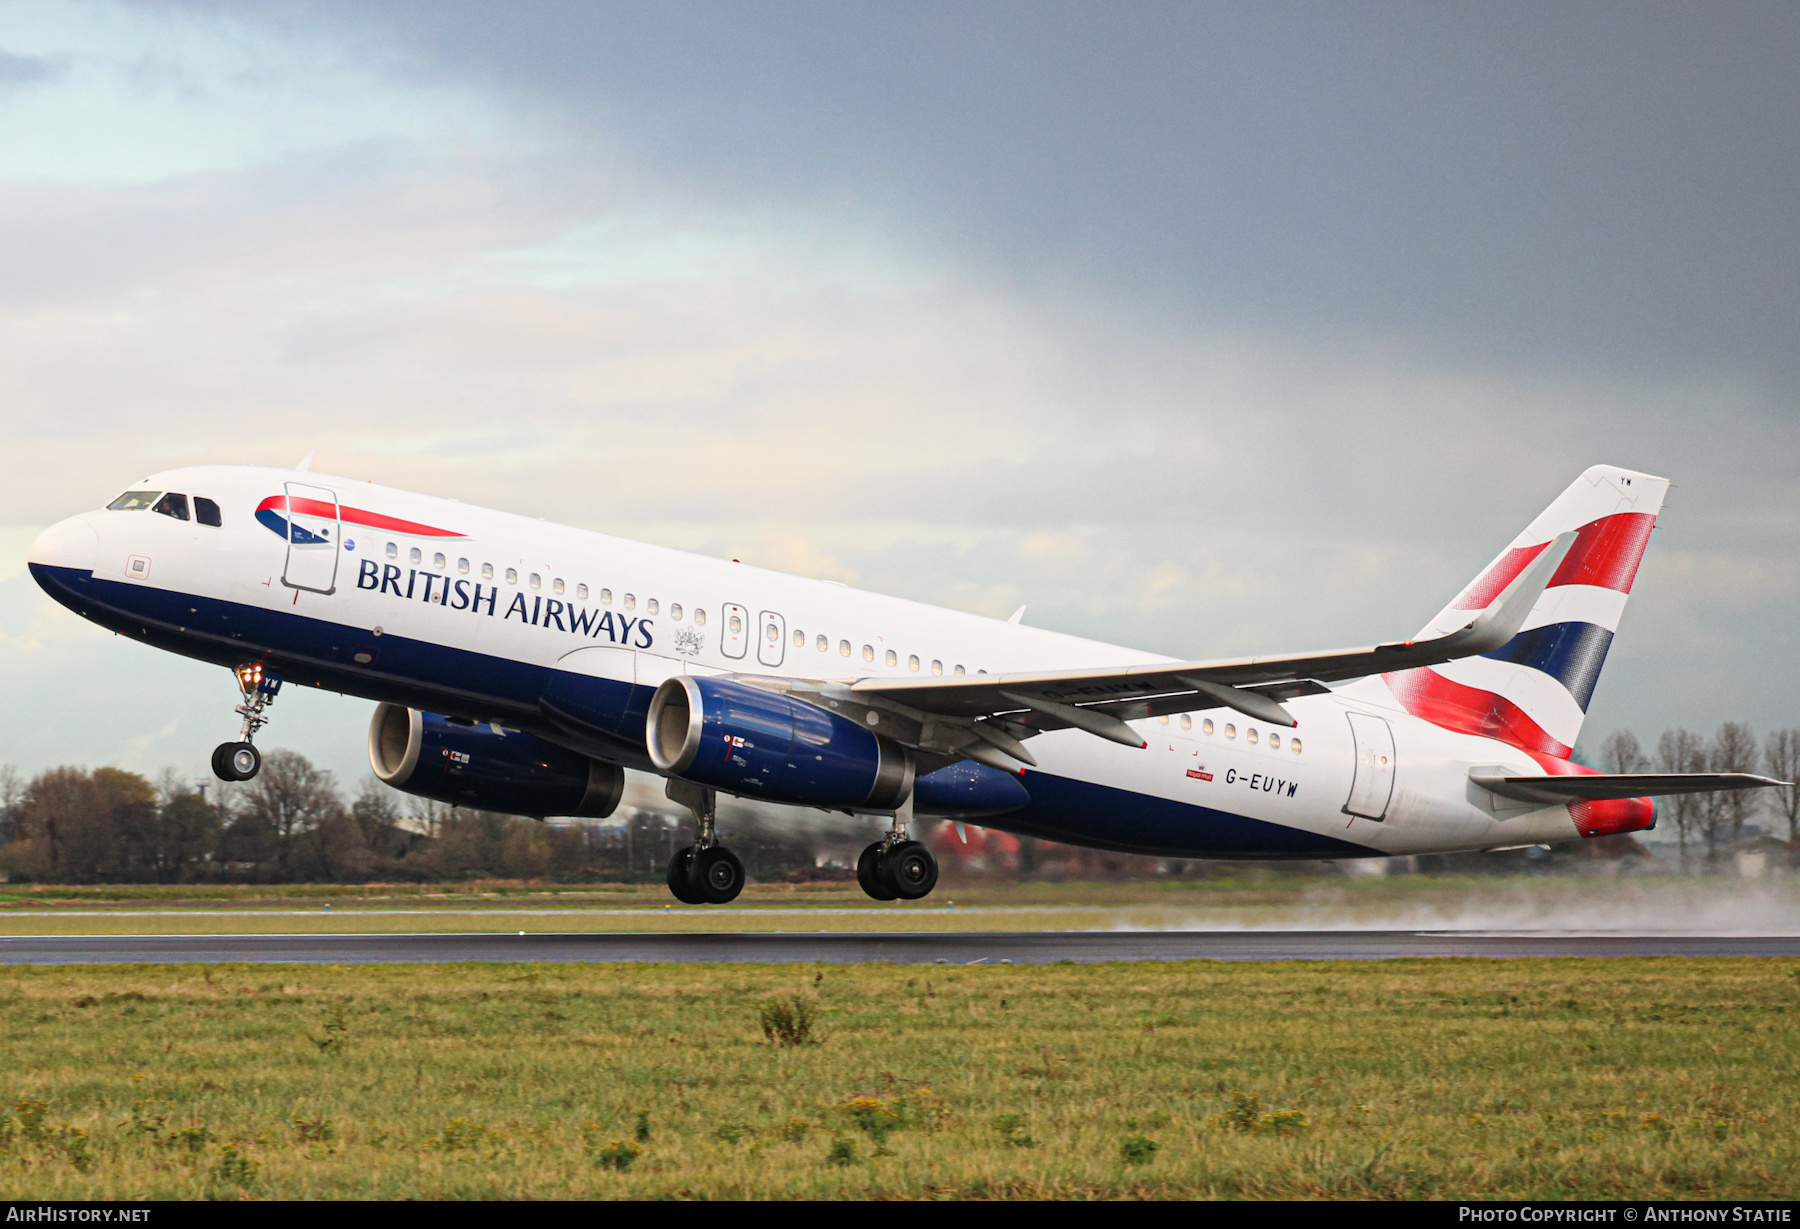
point(1373, 785)
point(312, 552)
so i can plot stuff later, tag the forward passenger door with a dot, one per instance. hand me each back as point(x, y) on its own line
point(312, 552)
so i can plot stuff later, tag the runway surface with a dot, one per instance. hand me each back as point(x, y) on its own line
point(1035, 947)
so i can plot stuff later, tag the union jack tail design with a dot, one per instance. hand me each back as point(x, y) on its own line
point(1534, 690)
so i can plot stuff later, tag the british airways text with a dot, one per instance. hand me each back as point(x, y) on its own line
point(485, 599)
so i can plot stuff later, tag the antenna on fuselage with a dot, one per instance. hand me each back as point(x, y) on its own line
point(306, 462)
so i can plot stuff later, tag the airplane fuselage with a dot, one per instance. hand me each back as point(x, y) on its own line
point(484, 615)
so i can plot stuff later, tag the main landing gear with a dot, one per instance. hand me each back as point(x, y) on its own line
point(897, 867)
point(704, 873)
point(240, 761)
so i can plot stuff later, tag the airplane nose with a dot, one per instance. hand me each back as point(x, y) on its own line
point(67, 544)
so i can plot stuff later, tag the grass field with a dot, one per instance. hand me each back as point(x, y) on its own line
point(1255, 898)
point(1540, 1079)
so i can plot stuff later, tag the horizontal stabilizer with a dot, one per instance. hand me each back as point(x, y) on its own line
point(1597, 786)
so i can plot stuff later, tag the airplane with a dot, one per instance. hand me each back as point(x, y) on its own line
point(522, 666)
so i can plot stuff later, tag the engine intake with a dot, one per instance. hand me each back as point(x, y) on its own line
point(488, 767)
point(745, 740)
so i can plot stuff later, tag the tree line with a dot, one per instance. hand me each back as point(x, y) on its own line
point(1716, 819)
point(292, 824)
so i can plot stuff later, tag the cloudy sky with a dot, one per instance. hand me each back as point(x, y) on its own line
point(1205, 328)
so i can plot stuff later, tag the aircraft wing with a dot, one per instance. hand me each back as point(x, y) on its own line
point(1101, 700)
point(1596, 786)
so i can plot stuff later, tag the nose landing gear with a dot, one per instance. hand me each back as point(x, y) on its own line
point(705, 873)
point(897, 867)
point(240, 761)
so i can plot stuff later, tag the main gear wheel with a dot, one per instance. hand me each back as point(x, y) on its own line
point(681, 877)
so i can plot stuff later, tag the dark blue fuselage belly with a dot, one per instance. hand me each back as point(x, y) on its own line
point(603, 718)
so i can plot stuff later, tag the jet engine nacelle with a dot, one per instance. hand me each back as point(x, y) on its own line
point(488, 767)
point(762, 744)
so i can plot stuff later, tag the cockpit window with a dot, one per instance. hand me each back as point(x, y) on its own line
point(174, 505)
point(133, 501)
point(207, 512)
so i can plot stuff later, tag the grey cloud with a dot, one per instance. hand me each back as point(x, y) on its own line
point(1603, 188)
point(27, 70)
point(376, 209)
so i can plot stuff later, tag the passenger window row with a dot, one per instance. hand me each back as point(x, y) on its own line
point(172, 504)
point(822, 644)
point(1250, 732)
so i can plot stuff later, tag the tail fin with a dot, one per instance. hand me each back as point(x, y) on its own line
point(1533, 691)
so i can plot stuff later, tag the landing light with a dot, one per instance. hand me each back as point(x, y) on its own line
point(254, 678)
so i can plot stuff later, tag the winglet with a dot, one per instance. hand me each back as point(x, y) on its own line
point(1504, 617)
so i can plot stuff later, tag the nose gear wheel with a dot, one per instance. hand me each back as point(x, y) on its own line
point(236, 761)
